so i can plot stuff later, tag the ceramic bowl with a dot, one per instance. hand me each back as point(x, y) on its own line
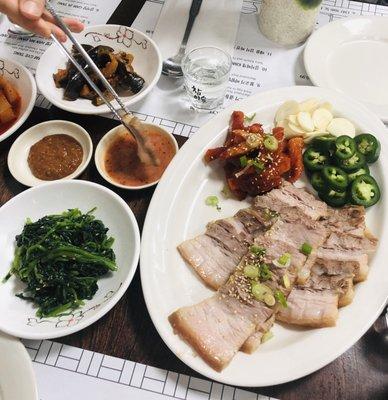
point(147, 63)
point(18, 154)
point(18, 317)
point(24, 82)
point(105, 142)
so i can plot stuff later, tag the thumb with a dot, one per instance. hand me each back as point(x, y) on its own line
point(31, 9)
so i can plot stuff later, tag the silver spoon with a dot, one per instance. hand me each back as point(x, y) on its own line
point(172, 66)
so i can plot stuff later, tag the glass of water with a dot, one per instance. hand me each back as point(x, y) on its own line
point(206, 75)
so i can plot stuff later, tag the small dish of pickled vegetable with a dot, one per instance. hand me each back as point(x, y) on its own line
point(17, 96)
point(128, 58)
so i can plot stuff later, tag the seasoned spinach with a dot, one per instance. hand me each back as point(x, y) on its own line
point(60, 258)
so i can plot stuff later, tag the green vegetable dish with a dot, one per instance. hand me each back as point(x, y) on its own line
point(338, 169)
point(60, 258)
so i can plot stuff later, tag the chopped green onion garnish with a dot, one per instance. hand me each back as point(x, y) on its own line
point(265, 272)
point(284, 259)
point(251, 271)
point(256, 250)
point(271, 143)
point(286, 281)
point(269, 214)
point(213, 202)
point(243, 161)
point(267, 335)
point(249, 119)
point(280, 298)
point(257, 164)
point(306, 249)
point(269, 299)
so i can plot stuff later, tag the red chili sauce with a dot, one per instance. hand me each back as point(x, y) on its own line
point(122, 163)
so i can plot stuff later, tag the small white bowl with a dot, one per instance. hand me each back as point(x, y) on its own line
point(105, 142)
point(18, 154)
point(147, 63)
point(22, 79)
point(17, 316)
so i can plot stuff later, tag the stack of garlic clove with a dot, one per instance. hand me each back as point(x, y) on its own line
point(310, 119)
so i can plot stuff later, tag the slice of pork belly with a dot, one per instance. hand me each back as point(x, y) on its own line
point(275, 249)
point(342, 285)
point(348, 219)
point(209, 259)
point(215, 254)
point(290, 201)
point(364, 244)
point(254, 341)
point(338, 261)
point(219, 326)
point(310, 308)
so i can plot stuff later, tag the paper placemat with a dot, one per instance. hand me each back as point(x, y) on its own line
point(258, 64)
point(216, 25)
point(83, 374)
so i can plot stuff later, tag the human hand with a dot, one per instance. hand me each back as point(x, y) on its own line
point(32, 15)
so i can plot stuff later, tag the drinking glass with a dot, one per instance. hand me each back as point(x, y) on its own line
point(206, 75)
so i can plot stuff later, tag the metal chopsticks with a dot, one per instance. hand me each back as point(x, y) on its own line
point(138, 137)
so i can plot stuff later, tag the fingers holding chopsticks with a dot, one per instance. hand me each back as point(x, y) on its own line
point(33, 16)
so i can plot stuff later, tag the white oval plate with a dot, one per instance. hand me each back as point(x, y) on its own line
point(20, 149)
point(25, 84)
point(147, 63)
point(17, 316)
point(350, 55)
point(17, 379)
point(178, 212)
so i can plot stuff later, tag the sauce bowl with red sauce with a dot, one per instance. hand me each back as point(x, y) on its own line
point(118, 163)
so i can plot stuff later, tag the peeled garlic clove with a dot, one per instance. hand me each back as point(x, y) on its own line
point(296, 130)
point(322, 118)
point(286, 109)
point(292, 118)
point(305, 121)
point(288, 133)
point(341, 126)
point(309, 105)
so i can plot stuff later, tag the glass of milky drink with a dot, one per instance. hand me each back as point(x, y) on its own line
point(288, 22)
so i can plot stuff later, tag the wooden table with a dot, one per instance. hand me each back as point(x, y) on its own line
point(127, 330)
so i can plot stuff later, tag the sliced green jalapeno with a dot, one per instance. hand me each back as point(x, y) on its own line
point(364, 191)
point(369, 146)
point(345, 147)
point(356, 161)
point(335, 178)
point(315, 160)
